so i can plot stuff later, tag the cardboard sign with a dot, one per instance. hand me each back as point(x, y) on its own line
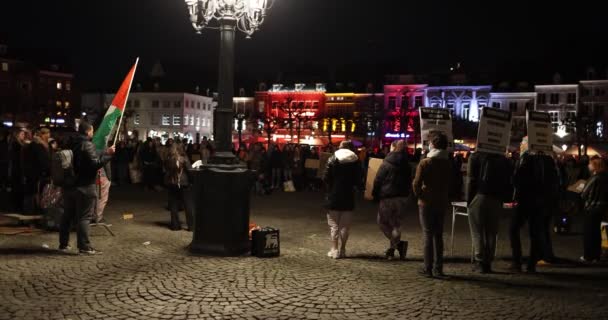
point(434, 119)
point(578, 186)
point(540, 131)
point(323, 159)
point(372, 171)
point(312, 164)
point(494, 131)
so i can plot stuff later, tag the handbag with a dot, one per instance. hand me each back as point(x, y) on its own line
point(50, 196)
point(288, 186)
point(265, 243)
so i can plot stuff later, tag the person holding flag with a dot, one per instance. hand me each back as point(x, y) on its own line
point(89, 156)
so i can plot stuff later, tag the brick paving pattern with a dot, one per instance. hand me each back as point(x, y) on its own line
point(163, 280)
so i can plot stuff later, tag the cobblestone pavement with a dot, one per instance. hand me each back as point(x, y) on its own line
point(163, 281)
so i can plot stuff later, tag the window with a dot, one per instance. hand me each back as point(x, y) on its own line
point(58, 103)
point(176, 120)
point(186, 117)
point(554, 98)
point(599, 111)
point(191, 120)
point(187, 104)
point(177, 104)
point(129, 104)
point(198, 105)
point(418, 102)
point(136, 119)
point(166, 120)
point(166, 104)
point(315, 105)
point(450, 105)
point(554, 116)
point(391, 103)
point(153, 119)
point(435, 105)
point(465, 111)
point(68, 86)
point(59, 85)
point(136, 103)
point(513, 106)
point(5, 66)
point(571, 98)
point(542, 98)
point(529, 105)
point(155, 104)
point(66, 104)
point(496, 105)
point(198, 121)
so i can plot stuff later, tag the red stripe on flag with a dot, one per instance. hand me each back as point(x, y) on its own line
point(120, 99)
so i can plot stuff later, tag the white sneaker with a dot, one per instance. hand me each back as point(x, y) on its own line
point(333, 253)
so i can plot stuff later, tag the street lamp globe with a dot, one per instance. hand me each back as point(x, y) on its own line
point(249, 14)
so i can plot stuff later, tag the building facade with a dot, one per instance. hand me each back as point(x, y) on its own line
point(560, 101)
point(464, 101)
point(593, 103)
point(518, 103)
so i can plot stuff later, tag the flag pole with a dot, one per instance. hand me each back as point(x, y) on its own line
point(122, 114)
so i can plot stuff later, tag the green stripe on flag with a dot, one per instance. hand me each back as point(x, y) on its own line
point(102, 135)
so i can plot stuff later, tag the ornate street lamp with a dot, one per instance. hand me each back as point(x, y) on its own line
point(222, 189)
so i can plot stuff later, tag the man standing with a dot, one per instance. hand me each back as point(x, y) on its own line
point(488, 186)
point(536, 187)
point(36, 168)
point(431, 186)
point(391, 187)
point(80, 198)
point(104, 182)
point(342, 175)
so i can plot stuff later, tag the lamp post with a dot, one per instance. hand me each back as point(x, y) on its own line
point(222, 188)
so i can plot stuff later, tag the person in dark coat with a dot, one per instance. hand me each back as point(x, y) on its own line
point(36, 168)
point(15, 169)
point(391, 188)
point(342, 175)
point(536, 183)
point(595, 204)
point(488, 186)
point(150, 161)
point(81, 197)
point(177, 182)
point(276, 166)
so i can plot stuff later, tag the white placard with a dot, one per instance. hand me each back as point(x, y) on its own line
point(434, 119)
point(494, 132)
point(540, 131)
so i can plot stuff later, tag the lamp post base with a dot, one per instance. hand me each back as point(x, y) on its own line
point(221, 197)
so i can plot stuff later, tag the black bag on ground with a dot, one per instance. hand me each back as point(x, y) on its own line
point(265, 243)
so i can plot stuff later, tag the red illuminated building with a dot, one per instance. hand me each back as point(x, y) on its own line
point(401, 103)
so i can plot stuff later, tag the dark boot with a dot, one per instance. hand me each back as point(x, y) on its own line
point(390, 254)
point(402, 249)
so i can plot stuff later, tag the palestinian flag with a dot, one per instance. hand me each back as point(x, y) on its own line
point(115, 112)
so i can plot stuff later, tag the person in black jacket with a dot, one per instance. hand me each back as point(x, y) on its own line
point(489, 184)
point(80, 198)
point(392, 187)
point(536, 183)
point(342, 175)
point(595, 203)
point(36, 168)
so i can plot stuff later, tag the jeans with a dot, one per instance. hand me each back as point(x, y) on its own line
point(339, 227)
point(534, 216)
point(390, 213)
point(179, 196)
point(592, 238)
point(79, 206)
point(483, 221)
point(276, 177)
point(431, 220)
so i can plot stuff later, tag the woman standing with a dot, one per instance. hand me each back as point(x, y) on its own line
point(177, 182)
point(595, 202)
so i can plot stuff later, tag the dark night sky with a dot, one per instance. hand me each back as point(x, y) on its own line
point(359, 39)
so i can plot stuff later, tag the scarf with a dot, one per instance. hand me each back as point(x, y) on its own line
point(437, 153)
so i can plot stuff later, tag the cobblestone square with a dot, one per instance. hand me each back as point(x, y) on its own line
point(162, 280)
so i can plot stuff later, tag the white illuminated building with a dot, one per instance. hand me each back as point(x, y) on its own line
point(171, 115)
point(518, 103)
point(560, 101)
point(464, 101)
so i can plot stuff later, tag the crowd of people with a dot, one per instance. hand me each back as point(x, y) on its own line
point(537, 183)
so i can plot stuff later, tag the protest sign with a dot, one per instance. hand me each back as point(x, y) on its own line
point(540, 131)
point(435, 119)
point(494, 131)
point(372, 171)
